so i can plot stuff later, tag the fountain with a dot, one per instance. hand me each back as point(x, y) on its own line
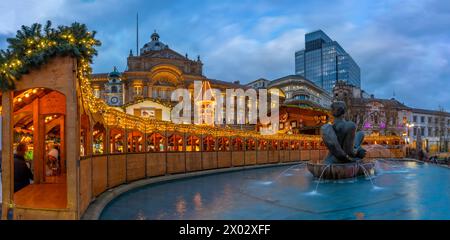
point(345, 157)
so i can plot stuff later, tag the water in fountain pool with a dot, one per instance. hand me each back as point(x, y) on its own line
point(400, 190)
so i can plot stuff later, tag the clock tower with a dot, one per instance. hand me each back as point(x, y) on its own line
point(114, 89)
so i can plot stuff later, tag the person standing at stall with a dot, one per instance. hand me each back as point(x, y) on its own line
point(22, 174)
point(52, 160)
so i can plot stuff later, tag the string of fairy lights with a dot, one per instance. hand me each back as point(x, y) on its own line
point(33, 47)
point(115, 118)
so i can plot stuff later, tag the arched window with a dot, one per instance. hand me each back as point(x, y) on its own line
point(38, 118)
point(250, 144)
point(273, 145)
point(208, 143)
point(193, 144)
point(238, 144)
point(135, 141)
point(284, 145)
point(175, 143)
point(295, 145)
point(138, 90)
point(99, 135)
point(224, 144)
point(116, 141)
point(156, 143)
point(262, 145)
point(114, 89)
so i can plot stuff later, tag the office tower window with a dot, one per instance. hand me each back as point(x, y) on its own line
point(324, 61)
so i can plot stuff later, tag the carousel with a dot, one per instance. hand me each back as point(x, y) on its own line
point(303, 119)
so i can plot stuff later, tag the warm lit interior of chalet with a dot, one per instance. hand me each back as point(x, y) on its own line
point(38, 122)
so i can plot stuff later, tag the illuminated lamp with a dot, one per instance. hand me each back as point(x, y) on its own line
point(19, 99)
point(34, 90)
point(27, 95)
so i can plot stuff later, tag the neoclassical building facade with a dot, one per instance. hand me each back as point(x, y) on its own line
point(372, 115)
point(145, 87)
point(304, 107)
point(300, 91)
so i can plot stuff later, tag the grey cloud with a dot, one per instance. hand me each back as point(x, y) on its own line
point(399, 45)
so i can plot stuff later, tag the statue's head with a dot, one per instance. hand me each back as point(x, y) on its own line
point(338, 108)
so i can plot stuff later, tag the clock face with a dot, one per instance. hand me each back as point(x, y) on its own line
point(114, 100)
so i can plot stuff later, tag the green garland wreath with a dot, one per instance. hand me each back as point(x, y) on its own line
point(34, 45)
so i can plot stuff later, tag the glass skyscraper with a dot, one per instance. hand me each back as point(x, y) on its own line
point(324, 61)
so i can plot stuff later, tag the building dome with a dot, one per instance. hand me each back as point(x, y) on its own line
point(114, 75)
point(155, 36)
point(154, 44)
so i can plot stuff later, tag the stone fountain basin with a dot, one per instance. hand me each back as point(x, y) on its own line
point(340, 170)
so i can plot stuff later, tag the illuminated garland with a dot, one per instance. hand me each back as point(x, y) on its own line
point(33, 46)
point(115, 118)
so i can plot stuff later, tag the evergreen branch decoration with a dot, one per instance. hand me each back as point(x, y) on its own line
point(34, 45)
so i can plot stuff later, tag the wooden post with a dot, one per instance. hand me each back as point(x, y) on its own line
point(144, 145)
point(90, 137)
point(7, 153)
point(38, 144)
point(106, 141)
point(256, 150)
point(125, 137)
point(244, 146)
point(166, 144)
point(72, 135)
point(126, 151)
point(107, 151)
point(184, 151)
point(216, 149)
point(113, 146)
point(201, 150)
point(62, 153)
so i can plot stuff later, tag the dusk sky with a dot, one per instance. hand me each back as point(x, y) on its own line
point(400, 46)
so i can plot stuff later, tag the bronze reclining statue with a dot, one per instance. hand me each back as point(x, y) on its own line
point(344, 159)
point(341, 139)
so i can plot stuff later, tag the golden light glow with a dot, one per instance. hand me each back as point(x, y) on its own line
point(118, 119)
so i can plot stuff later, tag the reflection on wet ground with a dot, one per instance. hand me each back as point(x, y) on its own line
point(400, 190)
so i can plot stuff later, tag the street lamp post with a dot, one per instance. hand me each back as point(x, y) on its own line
point(408, 126)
